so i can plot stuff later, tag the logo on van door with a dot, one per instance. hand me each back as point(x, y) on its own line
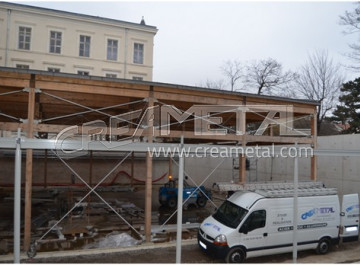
point(314, 211)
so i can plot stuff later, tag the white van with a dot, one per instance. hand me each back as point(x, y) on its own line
point(251, 224)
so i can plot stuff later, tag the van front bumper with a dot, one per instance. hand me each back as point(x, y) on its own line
point(212, 249)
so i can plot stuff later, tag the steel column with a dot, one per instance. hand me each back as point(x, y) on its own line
point(180, 203)
point(296, 184)
point(17, 199)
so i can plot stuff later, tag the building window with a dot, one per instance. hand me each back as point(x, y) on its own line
point(24, 38)
point(86, 73)
point(138, 53)
point(22, 66)
point(138, 78)
point(112, 50)
point(55, 42)
point(111, 75)
point(84, 50)
point(54, 70)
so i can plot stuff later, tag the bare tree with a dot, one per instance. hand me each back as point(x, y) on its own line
point(232, 71)
point(267, 74)
point(219, 84)
point(320, 79)
point(352, 22)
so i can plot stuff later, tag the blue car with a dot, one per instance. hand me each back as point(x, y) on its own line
point(192, 195)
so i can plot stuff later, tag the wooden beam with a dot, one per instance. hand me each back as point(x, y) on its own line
point(29, 165)
point(93, 89)
point(16, 80)
point(149, 166)
point(217, 97)
point(170, 166)
point(277, 139)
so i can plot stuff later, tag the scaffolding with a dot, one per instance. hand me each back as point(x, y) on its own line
point(42, 105)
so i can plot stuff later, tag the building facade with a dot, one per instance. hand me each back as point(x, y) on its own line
point(57, 41)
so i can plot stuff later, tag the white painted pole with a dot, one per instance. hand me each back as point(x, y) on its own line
point(180, 202)
point(296, 182)
point(17, 198)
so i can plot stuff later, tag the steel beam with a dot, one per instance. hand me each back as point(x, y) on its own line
point(41, 144)
point(180, 204)
point(17, 200)
point(296, 206)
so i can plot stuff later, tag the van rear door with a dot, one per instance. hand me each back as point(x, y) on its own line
point(350, 218)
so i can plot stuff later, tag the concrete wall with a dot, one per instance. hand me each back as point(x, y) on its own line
point(342, 173)
point(339, 172)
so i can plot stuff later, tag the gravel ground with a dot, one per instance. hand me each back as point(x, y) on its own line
point(345, 253)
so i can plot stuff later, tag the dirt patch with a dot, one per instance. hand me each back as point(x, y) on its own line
point(345, 253)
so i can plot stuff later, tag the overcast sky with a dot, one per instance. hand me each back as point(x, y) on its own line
point(195, 38)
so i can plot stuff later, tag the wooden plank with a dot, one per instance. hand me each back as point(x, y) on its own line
point(78, 80)
point(15, 75)
point(14, 79)
point(98, 90)
point(195, 99)
point(278, 139)
point(250, 98)
point(93, 100)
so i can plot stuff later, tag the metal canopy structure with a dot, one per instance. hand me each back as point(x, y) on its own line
point(45, 106)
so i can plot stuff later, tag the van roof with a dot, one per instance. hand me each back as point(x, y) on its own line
point(304, 192)
point(245, 199)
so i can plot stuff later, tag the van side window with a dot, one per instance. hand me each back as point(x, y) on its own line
point(256, 220)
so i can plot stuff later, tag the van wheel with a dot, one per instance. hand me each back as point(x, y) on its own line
point(323, 246)
point(235, 255)
point(172, 202)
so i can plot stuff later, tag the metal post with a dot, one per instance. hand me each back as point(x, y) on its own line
point(17, 198)
point(180, 202)
point(296, 184)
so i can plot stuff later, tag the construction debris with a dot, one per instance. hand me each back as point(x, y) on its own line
point(63, 220)
point(113, 240)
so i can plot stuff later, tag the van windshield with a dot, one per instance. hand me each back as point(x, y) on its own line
point(230, 214)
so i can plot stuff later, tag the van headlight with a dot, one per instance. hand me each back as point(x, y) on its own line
point(220, 240)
